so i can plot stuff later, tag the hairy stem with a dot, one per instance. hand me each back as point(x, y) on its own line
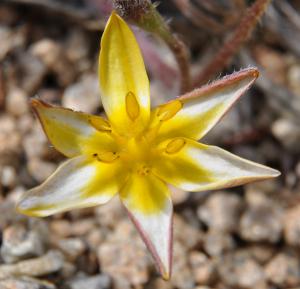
point(233, 43)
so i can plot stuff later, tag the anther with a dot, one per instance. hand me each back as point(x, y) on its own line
point(106, 157)
point(132, 106)
point(169, 110)
point(175, 145)
point(100, 124)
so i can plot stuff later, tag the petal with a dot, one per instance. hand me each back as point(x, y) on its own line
point(203, 108)
point(198, 167)
point(123, 79)
point(72, 132)
point(77, 183)
point(148, 203)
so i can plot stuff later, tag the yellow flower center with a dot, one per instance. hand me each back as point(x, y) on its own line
point(138, 152)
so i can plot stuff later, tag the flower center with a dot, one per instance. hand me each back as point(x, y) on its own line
point(137, 153)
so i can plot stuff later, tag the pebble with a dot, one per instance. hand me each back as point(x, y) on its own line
point(182, 228)
point(61, 228)
point(25, 283)
point(35, 143)
point(217, 243)
point(239, 270)
point(72, 247)
point(51, 262)
point(284, 270)
point(291, 226)
point(16, 102)
point(10, 40)
point(178, 196)
point(83, 227)
point(262, 220)
point(10, 139)
point(83, 95)
point(124, 257)
point(39, 169)
point(288, 133)
point(53, 55)
point(203, 268)
point(221, 211)
point(182, 275)
point(8, 176)
point(32, 73)
point(93, 282)
point(18, 244)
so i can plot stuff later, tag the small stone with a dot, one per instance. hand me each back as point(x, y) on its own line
point(53, 55)
point(284, 270)
point(10, 40)
point(25, 283)
point(217, 243)
point(51, 262)
point(182, 276)
point(72, 247)
point(94, 282)
point(19, 243)
point(240, 270)
point(8, 176)
point(40, 170)
point(109, 216)
point(95, 238)
point(32, 72)
point(83, 227)
point(221, 211)
point(124, 257)
point(10, 139)
point(183, 229)
point(179, 196)
point(16, 102)
point(288, 133)
point(291, 226)
point(261, 223)
point(202, 267)
point(262, 253)
point(35, 143)
point(61, 228)
point(83, 95)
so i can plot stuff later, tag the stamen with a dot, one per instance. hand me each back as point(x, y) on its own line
point(132, 106)
point(169, 110)
point(106, 157)
point(143, 170)
point(100, 124)
point(175, 145)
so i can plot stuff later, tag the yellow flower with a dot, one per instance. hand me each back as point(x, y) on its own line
point(136, 152)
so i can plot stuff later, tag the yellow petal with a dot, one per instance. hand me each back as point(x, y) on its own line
point(148, 203)
point(77, 183)
point(123, 79)
point(198, 167)
point(202, 109)
point(72, 132)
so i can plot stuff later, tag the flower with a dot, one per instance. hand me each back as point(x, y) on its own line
point(136, 152)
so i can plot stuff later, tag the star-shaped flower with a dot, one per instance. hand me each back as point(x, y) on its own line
point(136, 152)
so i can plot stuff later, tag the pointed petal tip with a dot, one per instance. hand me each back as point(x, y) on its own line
point(275, 173)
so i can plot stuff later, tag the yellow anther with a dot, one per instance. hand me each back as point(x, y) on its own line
point(106, 157)
point(175, 145)
point(132, 106)
point(169, 110)
point(143, 170)
point(100, 124)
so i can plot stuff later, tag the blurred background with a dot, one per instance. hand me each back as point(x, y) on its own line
point(246, 237)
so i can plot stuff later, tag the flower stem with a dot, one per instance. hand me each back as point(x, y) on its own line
point(233, 43)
